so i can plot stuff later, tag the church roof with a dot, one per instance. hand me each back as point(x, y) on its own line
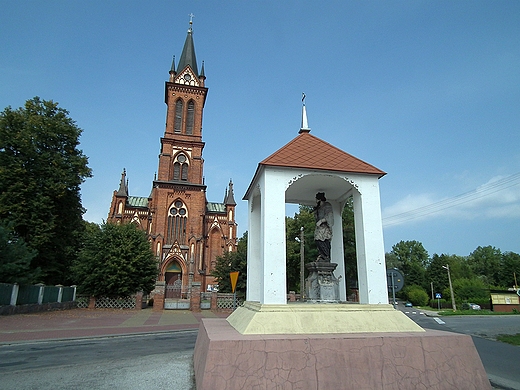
point(188, 54)
point(137, 201)
point(308, 151)
point(215, 207)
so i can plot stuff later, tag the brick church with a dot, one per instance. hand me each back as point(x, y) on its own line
point(186, 232)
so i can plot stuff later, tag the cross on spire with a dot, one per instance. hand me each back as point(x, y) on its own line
point(191, 19)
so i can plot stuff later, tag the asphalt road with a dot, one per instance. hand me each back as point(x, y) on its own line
point(499, 359)
point(164, 361)
point(160, 361)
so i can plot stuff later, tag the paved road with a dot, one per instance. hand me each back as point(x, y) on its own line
point(499, 359)
point(160, 361)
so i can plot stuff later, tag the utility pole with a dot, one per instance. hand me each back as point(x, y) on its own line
point(447, 267)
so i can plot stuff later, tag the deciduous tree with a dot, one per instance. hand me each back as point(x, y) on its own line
point(116, 260)
point(41, 169)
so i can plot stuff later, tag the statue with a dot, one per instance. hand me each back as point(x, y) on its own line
point(324, 222)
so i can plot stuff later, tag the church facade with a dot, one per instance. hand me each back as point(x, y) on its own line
point(186, 232)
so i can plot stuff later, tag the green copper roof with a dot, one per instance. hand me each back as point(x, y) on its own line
point(188, 54)
point(216, 207)
point(137, 201)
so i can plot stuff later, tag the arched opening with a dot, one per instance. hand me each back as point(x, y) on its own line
point(190, 119)
point(178, 116)
point(173, 279)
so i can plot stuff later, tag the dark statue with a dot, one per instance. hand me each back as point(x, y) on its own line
point(324, 222)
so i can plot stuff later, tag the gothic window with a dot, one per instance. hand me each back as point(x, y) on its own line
point(190, 118)
point(177, 219)
point(180, 167)
point(178, 116)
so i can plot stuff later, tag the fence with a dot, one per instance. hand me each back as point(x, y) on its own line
point(31, 298)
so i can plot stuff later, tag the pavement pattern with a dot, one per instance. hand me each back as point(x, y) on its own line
point(83, 323)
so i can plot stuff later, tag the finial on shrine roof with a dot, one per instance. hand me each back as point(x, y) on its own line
point(191, 22)
point(305, 124)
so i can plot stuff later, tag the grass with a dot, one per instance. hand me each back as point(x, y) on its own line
point(513, 339)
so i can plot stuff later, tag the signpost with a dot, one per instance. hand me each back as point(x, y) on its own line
point(395, 282)
point(234, 278)
point(438, 296)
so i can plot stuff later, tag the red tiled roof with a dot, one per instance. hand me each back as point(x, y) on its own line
point(308, 151)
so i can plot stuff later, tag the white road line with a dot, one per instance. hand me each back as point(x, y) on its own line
point(439, 321)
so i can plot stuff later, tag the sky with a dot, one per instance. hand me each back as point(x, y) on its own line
point(427, 91)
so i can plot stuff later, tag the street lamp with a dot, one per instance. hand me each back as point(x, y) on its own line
point(451, 288)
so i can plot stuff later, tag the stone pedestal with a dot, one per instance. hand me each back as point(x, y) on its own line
point(434, 360)
point(321, 285)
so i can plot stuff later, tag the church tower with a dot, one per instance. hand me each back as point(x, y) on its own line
point(186, 232)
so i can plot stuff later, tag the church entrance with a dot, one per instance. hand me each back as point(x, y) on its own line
point(174, 296)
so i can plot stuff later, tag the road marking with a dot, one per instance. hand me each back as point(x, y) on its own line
point(439, 321)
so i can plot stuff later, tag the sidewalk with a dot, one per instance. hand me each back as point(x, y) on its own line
point(82, 323)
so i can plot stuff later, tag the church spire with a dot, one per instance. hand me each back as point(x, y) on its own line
point(188, 52)
point(123, 185)
point(230, 198)
point(305, 124)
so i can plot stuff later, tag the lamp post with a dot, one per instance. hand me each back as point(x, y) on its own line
point(301, 240)
point(447, 267)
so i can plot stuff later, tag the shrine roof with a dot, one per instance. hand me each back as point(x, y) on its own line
point(308, 151)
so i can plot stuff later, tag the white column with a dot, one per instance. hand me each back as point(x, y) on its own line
point(254, 258)
point(273, 241)
point(337, 253)
point(369, 244)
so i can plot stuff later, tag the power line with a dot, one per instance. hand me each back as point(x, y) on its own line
point(470, 196)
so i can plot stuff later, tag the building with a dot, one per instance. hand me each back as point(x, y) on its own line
point(186, 232)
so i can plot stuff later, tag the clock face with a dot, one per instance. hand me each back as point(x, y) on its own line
point(187, 77)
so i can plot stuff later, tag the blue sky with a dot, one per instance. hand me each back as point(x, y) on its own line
point(428, 91)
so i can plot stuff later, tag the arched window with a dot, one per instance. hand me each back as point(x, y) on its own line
point(177, 218)
point(190, 119)
point(178, 116)
point(180, 167)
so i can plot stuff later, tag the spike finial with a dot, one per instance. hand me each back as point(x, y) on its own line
point(305, 124)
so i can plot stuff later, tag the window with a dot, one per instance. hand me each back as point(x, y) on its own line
point(178, 116)
point(180, 167)
point(190, 118)
point(177, 218)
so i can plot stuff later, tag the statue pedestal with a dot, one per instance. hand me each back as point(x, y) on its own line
point(321, 285)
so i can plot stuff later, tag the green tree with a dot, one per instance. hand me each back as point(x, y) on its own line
point(416, 295)
point(15, 258)
point(232, 262)
point(470, 289)
point(485, 263)
point(116, 260)
point(413, 260)
point(509, 269)
point(41, 169)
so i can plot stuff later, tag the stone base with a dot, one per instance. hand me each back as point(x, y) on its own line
point(433, 360)
point(321, 284)
point(312, 318)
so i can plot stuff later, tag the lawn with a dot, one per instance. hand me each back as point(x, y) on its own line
point(513, 339)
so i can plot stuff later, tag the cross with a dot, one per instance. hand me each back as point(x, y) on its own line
point(191, 18)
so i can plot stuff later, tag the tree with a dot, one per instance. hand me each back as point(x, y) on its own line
point(116, 260)
point(41, 169)
point(15, 258)
point(232, 262)
point(485, 263)
point(413, 259)
point(509, 269)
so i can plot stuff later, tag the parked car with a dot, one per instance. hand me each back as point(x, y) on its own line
point(470, 306)
point(408, 304)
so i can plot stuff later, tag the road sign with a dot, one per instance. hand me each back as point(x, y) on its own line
point(395, 280)
point(438, 296)
point(234, 278)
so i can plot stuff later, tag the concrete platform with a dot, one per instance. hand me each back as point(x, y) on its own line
point(316, 318)
point(227, 359)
